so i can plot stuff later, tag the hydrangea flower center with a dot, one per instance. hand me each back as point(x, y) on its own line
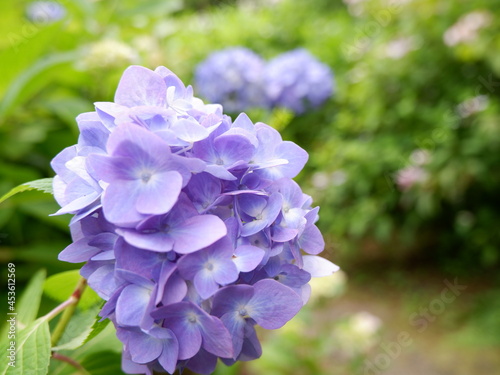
point(146, 176)
point(209, 266)
point(243, 312)
point(192, 318)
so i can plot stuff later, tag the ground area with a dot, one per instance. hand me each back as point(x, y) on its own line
point(391, 321)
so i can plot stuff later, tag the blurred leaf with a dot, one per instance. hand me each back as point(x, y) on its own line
point(60, 286)
point(32, 350)
point(82, 327)
point(44, 184)
point(67, 108)
point(16, 87)
point(103, 363)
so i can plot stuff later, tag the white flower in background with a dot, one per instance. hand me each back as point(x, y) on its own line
point(409, 176)
point(365, 324)
point(358, 334)
point(328, 287)
point(257, 4)
point(355, 7)
point(339, 177)
point(322, 180)
point(466, 29)
point(472, 105)
point(420, 157)
point(109, 53)
point(398, 48)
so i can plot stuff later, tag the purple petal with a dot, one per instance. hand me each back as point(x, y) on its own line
point(281, 234)
point(141, 86)
point(79, 251)
point(144, 348)
point(229, 298)
point(203, 189)
point(248, 257)
point(292, 276)
point(205, 284)
point(174, 291)
point(233, 148)
point(156, 241)
point(189, 131)
point(273, 304)
point(235, 324)
point(296, 156)
point(311, 240)
point(220, 172)
point(225, 271)
point(202, 363)
point(130, 367)
point(170, 352)
point(216, 338)
point(118, 203)
point(252, 205)
point(251, 346)
point(182, 318)
point(131, 305)
point(198, 232)
point(160, 194)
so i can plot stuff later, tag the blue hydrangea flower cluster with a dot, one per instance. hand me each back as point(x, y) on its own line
point(190, 224)
point(239, 79)
point(232, 77)
point(298, 81)
point(45, 12)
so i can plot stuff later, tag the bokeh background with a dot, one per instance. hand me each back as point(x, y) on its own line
point(404, 160)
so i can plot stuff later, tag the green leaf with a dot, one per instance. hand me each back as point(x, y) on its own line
point(61, 285)
point(43, 184)
point(32, 350)
point(103, 363)
point(28, 304)
point(105, 341)
point(96, 328)
point(81, 329)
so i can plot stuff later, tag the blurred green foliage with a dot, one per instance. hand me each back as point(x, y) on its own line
point(413, 78)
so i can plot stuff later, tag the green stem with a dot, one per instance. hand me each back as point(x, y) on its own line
point(69, 307)
point(72, 362)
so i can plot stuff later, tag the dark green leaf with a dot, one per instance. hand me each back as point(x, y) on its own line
point(103, 363)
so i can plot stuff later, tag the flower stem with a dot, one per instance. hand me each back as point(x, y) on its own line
point(69, 307)
point(72, 362)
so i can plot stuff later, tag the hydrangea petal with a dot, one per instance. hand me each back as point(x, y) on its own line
point(141, 86)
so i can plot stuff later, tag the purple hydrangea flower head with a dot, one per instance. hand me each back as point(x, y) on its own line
point(190, 225)
point(232, 77)
point(45, 12)
point(298, 81)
